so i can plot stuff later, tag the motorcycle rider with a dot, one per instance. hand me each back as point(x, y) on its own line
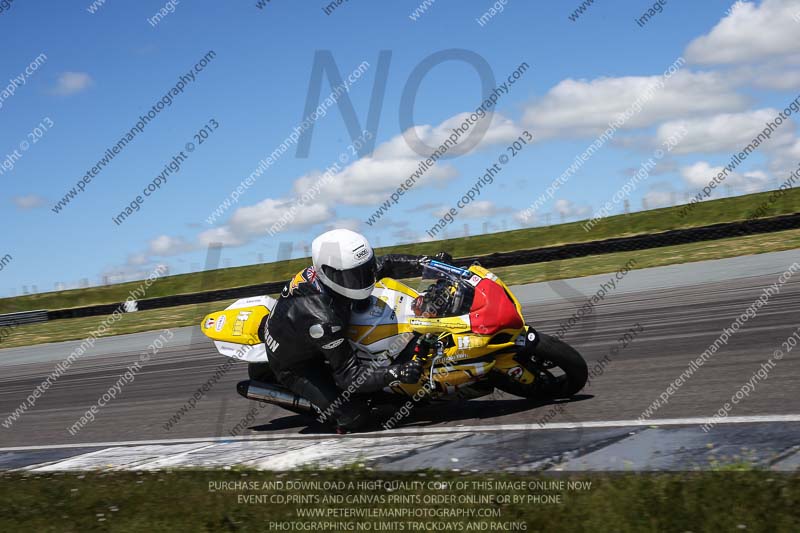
point(306, 331)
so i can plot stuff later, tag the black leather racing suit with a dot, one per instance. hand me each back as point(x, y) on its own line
point(308, 328)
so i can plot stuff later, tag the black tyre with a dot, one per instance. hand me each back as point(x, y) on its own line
point(261, 372)
point(550, 356)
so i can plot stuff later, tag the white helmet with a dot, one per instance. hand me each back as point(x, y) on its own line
point(345, 263)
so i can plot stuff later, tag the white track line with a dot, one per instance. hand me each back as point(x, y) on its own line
point(692, 421)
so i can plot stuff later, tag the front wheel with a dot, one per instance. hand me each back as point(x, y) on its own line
point(560, 371)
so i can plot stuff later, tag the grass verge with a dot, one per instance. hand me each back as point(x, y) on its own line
point(668, 255)
point(79, 328)
point(705, 213)
point(190, 315)
point(354, 500)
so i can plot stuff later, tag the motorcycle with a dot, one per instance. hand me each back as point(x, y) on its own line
point(472, 325)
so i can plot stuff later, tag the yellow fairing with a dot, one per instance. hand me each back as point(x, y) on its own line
point(455, 375)
point(393, 284)
point(447, 378)
point(235, 325)
point(451, 324)
point(369, 335)
point(505, 364)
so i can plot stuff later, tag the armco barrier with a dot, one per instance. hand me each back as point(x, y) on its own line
point(171, 301)
point(638, 242)
point(518, 257)
point(25, 317)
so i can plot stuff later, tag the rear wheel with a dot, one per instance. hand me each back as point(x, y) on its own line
point(560, 371)
point(261, 372)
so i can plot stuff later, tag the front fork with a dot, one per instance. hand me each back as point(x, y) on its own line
point(526, 356)
point(427, 350)
point(526, 342)
point(518, 364)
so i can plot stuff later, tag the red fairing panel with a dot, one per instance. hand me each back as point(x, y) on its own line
point(492, 310)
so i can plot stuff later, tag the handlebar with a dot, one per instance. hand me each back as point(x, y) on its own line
point(443, 270)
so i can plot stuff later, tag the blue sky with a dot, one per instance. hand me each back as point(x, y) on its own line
point(103, 70)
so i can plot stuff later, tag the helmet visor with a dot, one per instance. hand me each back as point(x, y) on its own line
point(357, 278)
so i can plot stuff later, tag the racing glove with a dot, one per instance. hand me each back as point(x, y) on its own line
point(408, 373)
point(442, 257)
point(424, 346)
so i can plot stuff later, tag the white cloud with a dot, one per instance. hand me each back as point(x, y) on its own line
point(371, 180)
point(567, 209)
point(781, 75)
point(501, 129)
point(352, 224)
point(793, 152)
point(368, 181)
point(784, 160)
point(729, 132)
point(132, 272)
point(72, 82)
point(749, 33)
point(479, 209)
point(664, 193)
point(138, 259)
point(578, 108)
point(700, 174)
point(165, 245)
point(31, 201)
point(752, 181)
point(256, 219)
point(780, 79)
point(525, 219)
point(223, 236)
point(658, 198)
